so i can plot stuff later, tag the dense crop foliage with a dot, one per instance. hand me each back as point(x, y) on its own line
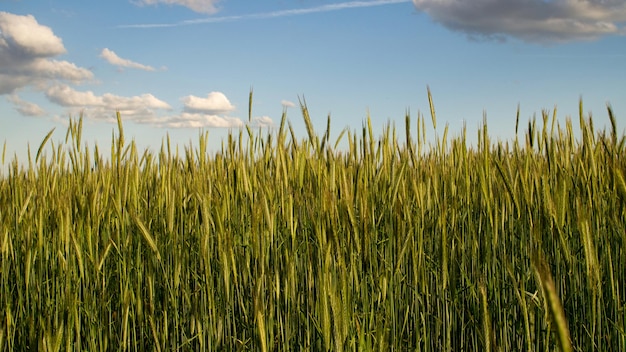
point(276, 243)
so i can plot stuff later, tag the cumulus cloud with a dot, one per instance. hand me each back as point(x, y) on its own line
point(102, 107)
point(215, 103)
point(111, 57)
point(200, 120)
point(287, 104)
point(67, 96)
point(262, 121)
point(530, 20)
point(141, 109)
point(27, 37)
point(26, 108)
point(26, 52)
point(202, 6)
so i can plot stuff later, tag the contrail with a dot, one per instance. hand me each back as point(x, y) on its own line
point(274, 14)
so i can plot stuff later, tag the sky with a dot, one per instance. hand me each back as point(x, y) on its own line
point(178, 68)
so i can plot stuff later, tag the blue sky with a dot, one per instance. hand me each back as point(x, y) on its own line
point(179, 66)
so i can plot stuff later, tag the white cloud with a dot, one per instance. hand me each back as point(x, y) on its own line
point(111, 57)
point(32, 39)
point(133, 103)
point(202, 6)
point(26, 49)
point(103, 107)
point(141, 109)
point(200, 120)
point(10, 82)
point(67, 96)
point(530, 20)
point(287, 104)
point(262, 121)
point(215, 103)
point(26, 108)
point(53, 69)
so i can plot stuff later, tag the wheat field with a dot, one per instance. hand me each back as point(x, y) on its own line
point(276, 243)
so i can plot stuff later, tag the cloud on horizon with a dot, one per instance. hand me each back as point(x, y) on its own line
point(274, 14)
point(25, 108)
point(262, 121)
point(537, 21)
point(199, 120)
point(66, 96)
point(144, 109)
point(111, 57)
point(287, 104)
point(104, 107)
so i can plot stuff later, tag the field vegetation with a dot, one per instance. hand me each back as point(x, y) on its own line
point(276, 243)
